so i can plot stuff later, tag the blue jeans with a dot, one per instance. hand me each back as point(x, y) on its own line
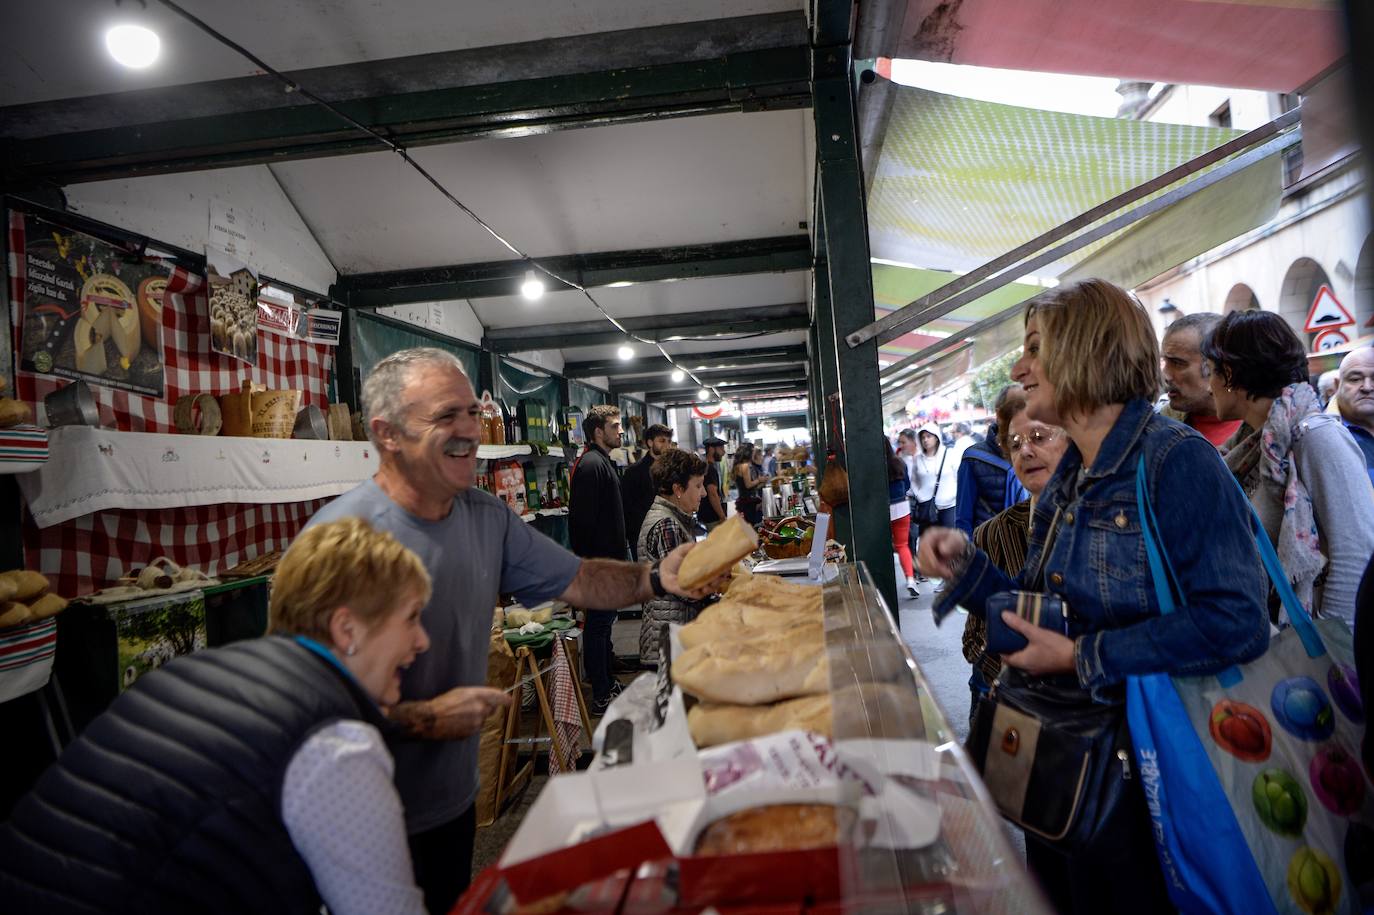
point(597, 652)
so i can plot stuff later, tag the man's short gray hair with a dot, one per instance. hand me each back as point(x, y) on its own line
point(1204, 322)
point(1329, 382)
point(385, 385)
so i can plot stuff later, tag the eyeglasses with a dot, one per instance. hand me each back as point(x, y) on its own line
point(1037, 437)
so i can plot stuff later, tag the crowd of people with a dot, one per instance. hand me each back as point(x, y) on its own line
point(334, 761)
point(1244, 434)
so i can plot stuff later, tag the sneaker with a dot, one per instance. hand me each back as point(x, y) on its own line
point(940, 586)
point(921, 579)
point(911, 588)
point(598, 706)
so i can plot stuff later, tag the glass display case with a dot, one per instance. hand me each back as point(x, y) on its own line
point(885, 710)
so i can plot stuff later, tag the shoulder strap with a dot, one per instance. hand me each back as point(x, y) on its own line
point(1166, 583)
point(987, 458)
point(944, 453)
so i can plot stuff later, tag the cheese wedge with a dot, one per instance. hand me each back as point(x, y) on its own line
point(124, 330)
point(90, 348)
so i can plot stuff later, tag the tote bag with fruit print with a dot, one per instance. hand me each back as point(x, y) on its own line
point(1255, 787)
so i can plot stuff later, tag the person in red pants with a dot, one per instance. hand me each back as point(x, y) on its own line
point(899, 513)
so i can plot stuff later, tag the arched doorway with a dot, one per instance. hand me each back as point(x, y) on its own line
point(1300, 285)
point(1364, 288)
point(1241, 298)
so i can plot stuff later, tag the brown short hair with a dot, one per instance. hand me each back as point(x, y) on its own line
point(675, 466)
point(1097, 346)
point(344, 563)
point(1256, 351)
point(597, 417)
point(1010, 402)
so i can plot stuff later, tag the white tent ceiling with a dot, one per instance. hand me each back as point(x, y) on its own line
point(724, 177)
point(53, 49)
point(698, 180)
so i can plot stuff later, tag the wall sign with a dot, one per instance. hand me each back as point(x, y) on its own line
point(88, 308)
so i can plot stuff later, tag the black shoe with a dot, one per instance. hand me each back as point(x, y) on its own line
point(598, 707)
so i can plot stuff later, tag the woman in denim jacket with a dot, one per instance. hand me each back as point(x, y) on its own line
point(1091, 365)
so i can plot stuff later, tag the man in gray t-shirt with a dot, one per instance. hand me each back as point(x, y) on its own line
point(424, 418)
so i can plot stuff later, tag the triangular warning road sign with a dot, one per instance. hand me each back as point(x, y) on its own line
point(1326, 311)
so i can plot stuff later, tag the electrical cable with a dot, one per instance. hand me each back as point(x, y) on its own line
point(403, 152)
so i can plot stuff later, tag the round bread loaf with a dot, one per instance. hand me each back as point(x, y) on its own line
point(777, 827)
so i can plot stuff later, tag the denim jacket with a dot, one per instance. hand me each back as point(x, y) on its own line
point(1097, 560)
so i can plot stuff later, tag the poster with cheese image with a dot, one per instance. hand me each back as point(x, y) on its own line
point(90, 308)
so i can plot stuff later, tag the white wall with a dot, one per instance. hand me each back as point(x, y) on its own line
point(453, 318)
point(1327, 224)
point(176, 209)
point(1195, 105)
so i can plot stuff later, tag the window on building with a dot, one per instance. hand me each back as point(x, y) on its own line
point(1222, 116)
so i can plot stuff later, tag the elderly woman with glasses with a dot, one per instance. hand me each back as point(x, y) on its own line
point(1035, 449)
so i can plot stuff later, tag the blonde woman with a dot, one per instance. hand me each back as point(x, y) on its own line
point(1091, 366)
point(248, 778)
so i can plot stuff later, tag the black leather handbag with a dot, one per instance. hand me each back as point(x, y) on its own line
point(1056, 762)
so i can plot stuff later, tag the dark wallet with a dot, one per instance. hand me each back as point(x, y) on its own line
point(1044, 610)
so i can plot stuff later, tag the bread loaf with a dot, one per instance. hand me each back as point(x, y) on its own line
point(730, 542)
point(14, 412)
point(730, 621)
point(754, 671)
point(776, 827)
point(46, 606)
point(12, 614)
point(28, 586)
point(712, 724)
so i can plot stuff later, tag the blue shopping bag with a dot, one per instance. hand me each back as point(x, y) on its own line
point(1256, 795)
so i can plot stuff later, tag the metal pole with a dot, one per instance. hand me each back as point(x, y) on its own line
point(851, 300)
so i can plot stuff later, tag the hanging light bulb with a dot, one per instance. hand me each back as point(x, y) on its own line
point(704, 394)
point(533, 287)
point(677, 376)
point(625, 353)
point(134, 46)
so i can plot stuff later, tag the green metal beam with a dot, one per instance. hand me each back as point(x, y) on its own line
point(658, 365)
point(851, 293)
point(666, 71)
point(503, 278)
point(792, 381)
point(794, 367)
point(763, 319)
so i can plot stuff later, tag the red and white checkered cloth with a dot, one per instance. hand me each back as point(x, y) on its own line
point(90, 552)
point(566, 719)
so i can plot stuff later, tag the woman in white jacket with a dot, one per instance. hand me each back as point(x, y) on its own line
point(934, 476)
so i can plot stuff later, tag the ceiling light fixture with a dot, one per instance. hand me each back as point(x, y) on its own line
point(134, 46)
point(625, 353)
point(704, 394)
point(533, 287)
point(677, 376)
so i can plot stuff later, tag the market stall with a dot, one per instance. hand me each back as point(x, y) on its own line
point(699, 771)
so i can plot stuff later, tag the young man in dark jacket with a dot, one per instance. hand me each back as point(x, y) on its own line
point(596, 528)
point(637, 487)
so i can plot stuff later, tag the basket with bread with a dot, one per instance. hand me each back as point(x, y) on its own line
point(25, 598)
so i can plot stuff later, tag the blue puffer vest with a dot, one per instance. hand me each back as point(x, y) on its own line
point(170, 801)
